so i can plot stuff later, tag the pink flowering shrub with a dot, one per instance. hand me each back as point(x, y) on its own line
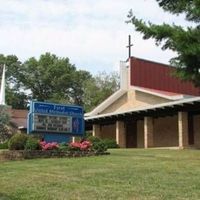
point(49, 146)
point(77, 146)
point(83, 146)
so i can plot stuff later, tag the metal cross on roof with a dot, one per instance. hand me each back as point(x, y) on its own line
point(129, 46)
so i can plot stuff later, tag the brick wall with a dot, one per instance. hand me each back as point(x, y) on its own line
point(166, 132)
point(108, 131)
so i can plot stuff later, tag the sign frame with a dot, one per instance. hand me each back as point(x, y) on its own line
point(57, 111)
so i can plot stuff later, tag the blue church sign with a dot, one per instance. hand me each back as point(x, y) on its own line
point(55, 119)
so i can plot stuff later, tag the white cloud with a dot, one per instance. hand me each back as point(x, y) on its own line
point(93, 34)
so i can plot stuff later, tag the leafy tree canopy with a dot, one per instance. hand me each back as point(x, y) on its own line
point(47, 77)
point(99, 88)
point(15, 98)
point(55, 79)
point(184, 41)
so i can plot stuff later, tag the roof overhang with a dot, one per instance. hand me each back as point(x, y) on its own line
point(106, 103)
point(159, 110)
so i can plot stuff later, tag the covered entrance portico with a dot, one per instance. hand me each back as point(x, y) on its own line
point(174, 124)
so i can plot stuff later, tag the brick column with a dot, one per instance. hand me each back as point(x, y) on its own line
point(183, 129)
point(148, 132)
point(96, 130)
point(120, 134)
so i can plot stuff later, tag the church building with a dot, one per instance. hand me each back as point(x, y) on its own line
point(152, 108)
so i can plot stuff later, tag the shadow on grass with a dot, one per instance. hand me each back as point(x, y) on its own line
point(6, 197)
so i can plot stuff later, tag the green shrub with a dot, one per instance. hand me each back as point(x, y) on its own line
point(93, 139)
point(6, 132)
point(88, 134)
point(17, 142)
point(4, 145)
point(110, 143)
point(63, 147)
point(99, 147)
point(32, 144)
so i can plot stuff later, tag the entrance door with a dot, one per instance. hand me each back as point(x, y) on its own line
point(131, 134)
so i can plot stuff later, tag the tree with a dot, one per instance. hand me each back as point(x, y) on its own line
point(55, 79)
point(185, 41)
point(80, 78)
point(49, 78)
point(99, 88)
point(14, 97)
point(52, 79)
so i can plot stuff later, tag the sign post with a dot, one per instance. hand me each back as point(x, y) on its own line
point(56, 122)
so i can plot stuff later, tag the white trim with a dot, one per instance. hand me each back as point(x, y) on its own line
point(21, 127)
point(162, 105)
point(175, 97)
point(107, 102)
point(124, 75)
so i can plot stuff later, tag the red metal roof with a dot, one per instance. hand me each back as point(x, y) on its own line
point(158, 76)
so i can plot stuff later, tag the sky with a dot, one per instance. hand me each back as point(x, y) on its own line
point(92, 34)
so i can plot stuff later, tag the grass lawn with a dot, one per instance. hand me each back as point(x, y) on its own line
point(125, 174)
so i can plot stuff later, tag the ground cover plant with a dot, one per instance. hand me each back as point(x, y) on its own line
point(23, 146)
point(4, 145)
point(124, 174)
point(109, 143)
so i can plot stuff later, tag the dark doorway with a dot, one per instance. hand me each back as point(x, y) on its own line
point(190, 129)
point(131, 134)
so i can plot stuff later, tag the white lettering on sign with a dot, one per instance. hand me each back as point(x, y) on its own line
point(52, 123)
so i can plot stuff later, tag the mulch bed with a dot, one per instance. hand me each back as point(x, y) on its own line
point(25, 154)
